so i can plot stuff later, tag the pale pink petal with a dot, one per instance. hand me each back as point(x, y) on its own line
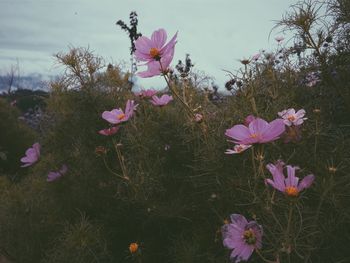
point(238, 132)
point(159, 38)
point(273, 131)
point(291, 180)
point(258, 126)
point(306, 182)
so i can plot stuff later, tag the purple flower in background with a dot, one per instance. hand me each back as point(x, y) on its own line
point(109, 131)
point(291, 117)
point(162, 101)
point(146, 93)
point(117, 116)
point(238, 149)
point(52, 176)
point(258, 131)
point(32, 155)
point(290, 185)
point(242, 237)
point(154, 49)
point(312, 78)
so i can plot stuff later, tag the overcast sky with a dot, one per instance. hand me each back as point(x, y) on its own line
point(216, 33)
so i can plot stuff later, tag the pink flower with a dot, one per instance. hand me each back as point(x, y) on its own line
point(249, 119)
point(154, 49)
point(290, 185)
point(279, 39)
point(256, 57)
point(117, 116)
point(258, 131)
point(162, 101)
point(52, 176)
point(291, 117)
point(242, 237)
point(109, 131)
point(32, 155)
point(238, 149)
point(198, 117)
point(146, 93)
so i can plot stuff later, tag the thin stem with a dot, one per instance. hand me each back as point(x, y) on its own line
point(263, 258)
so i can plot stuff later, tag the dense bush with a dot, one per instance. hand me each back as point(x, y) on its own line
point(163, 180)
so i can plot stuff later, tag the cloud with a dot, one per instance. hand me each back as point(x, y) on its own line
point(215, 32)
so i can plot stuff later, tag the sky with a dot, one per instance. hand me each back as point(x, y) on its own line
point(216, 33)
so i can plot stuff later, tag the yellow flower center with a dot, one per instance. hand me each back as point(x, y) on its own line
point(249, 236)
point(154, 53)
point(291, 118)
point(254, 135)
point(121, 116)
point(291, 191)
point(133, 247)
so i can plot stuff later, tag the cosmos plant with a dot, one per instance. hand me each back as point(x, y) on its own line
point(242, 237)
point(289, 185)
point(258, 131)
point(32, 155)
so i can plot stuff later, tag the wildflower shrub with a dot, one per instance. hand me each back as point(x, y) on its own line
point(142, 176)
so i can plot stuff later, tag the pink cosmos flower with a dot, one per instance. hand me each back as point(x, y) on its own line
point(117, 116)
point(162, 101)
point(148, 93)
point(290, 185)
point(32, 155)
point(279, 39)
point(109, 131)
point(154, 49)
point(242, 237)
point(258, 131)
point(291, 117)
point(198, 117)
point(238, 149)
point(249, 119)
point(52, 176)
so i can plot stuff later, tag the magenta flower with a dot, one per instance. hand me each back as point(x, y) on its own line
point(162, 101)
point(109, 131)
point(242, 237)
point(279, 39)
point(258, 131)
point(154, 49)
point(238, 149)
point(148, 93)
point(52, 176)
point(291, 117)
point(249, 119)
point(290, 185)
point(32, 155)
point(117, 116)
